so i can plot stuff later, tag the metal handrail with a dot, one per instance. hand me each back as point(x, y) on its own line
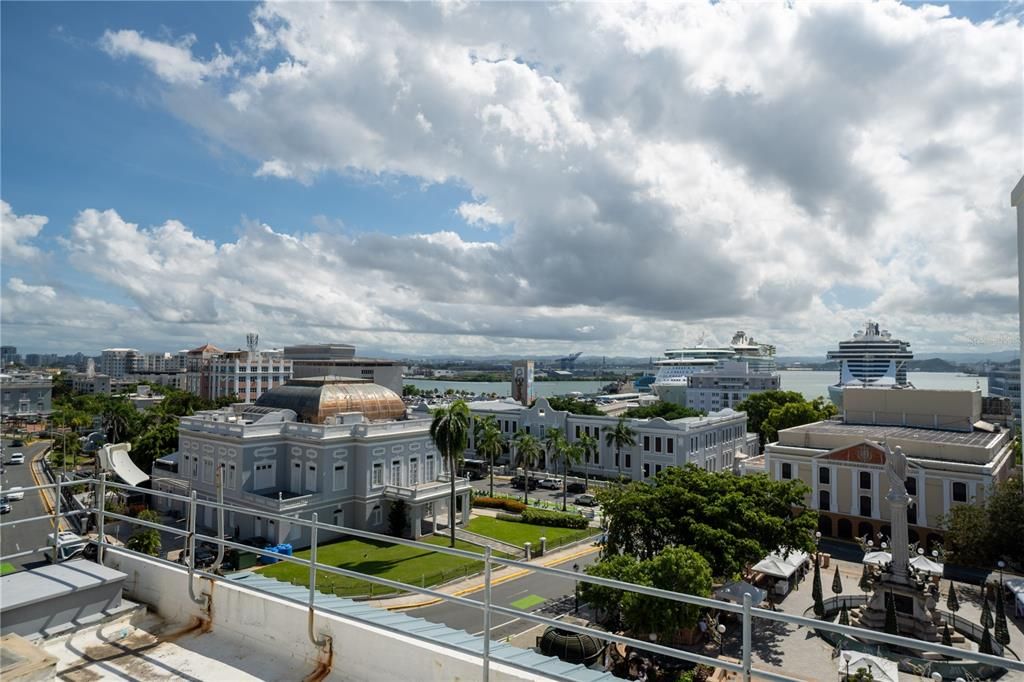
point(746, 611)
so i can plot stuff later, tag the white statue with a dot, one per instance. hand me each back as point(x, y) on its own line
point(896, 468)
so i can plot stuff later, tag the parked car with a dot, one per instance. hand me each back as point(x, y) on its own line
point(575, 487)
point(17, 458)
point(17, 443)
point(586, 501)
point(5, 506)
point(517, 483)
point(550, 483)
point(14, 494)
point(71, 545)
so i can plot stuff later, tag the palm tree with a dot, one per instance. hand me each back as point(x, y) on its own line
point(489, 443)
point(450, 433)
point(527, 451)
point(619, 437)
point(589, 444)
point(553, 439)
point(568, 453)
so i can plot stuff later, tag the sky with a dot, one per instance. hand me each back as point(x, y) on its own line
point(508, 178)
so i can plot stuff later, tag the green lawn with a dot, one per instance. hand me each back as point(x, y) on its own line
point(394, 562)
point(516, 533)
point(6, 568)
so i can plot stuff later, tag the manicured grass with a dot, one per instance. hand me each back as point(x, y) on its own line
point(6, 568)
point(516, 533)
point(394, 562)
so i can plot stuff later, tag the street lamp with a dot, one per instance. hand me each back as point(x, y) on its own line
point(576, 591)
point(936, 677)
point(721, 638)
point(1001, 564)
point(846, 657)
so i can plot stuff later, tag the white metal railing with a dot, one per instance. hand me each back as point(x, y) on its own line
point(746, 611)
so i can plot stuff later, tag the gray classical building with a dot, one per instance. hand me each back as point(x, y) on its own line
point(716, 442)
point(337, 446)
point(26, 395)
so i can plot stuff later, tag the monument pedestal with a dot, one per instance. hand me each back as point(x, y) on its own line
point(915, 611)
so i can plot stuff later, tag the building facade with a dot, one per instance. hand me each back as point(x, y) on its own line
point(9, 355)
point(247, 374)
point(90, 383)
point(953, 457)
point(1004, 382)
point(341, 448)
point(716, 442)
point(119, 362)
point(727, 386)
point(339, 359)
point(26, 395)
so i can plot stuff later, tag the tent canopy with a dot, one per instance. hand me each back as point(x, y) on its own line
point(877, 558)
point(777, 566)
point(926, 565)
point(881, 669)
point(734, 592)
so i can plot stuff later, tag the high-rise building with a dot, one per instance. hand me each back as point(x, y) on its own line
point(1004, 382)
point(339, 359)
point(8, 355)
point(118, 362)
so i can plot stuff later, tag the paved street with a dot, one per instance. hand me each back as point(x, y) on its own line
point(27, 535)
point(503, 487)
point(532, 592)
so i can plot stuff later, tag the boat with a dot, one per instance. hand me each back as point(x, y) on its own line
point(672, 379)
point(871, 358)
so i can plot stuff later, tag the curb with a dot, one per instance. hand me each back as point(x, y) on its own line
point(44, 493)
point(498, 581)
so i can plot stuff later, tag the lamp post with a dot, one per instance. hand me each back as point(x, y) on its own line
point(846, 657)
point(1001, 564)
point(936, 677)
point(721, 638)
point(576, 590)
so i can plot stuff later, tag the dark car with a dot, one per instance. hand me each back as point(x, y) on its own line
point(575, 487)
point(517, 483)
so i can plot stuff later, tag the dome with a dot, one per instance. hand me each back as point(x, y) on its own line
point(314, 399)
point(571, 647)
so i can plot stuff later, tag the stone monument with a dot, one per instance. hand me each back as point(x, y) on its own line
point(913, 599)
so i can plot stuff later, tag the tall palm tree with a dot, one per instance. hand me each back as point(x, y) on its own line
point(490, 444)
point(553, 439)
point(619, 437)
point(527, 451)
point(589, 444)
point(450, 433)
point(567, 453)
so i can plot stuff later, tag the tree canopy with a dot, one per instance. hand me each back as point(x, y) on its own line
point(770, 411)
point(450, 432)
point(732, 521)
point(980, 534)
point(665, 410)
point(573, 405)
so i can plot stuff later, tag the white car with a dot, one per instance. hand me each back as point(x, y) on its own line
point(17, 458)
point(15, 493)
point(550, 484)
point(71, 545)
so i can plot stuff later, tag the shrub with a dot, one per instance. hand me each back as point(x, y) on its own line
point(509, 505)
point(542, 517)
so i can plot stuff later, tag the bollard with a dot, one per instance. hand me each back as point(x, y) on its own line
point(526, 546)
point(543, 545)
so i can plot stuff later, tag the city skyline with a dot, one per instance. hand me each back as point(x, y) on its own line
point(508, 179)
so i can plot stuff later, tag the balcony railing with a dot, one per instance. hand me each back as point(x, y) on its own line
point(744, 612)
point(429, 490)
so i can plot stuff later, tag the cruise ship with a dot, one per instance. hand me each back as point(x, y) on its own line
point(679, 364)
point(872, 358)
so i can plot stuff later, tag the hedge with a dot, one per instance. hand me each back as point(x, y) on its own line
point(540, 517)
point(513, 506)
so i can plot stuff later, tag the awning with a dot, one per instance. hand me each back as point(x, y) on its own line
point(734, 592)
point(777, 568)
point(1016, 587)
point(881, 669)
point(877, 558)
point(926, 565)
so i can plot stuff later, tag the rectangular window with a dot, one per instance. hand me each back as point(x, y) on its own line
point(959, 492)
point(311, 477)
point(207, 470)
point(670, 445)
point(396, 473)
point(647, 443)
point(657, 469)
point(414, 471)
point(647, 470)
point(376, 516)
point(230, 480)
point(377, 479)
point(629, 461)
point(824, 500)
point(577, 431)
point(657, 444)
point(865, 505)
point(823, 475)
point(340, 481)
point(616, 458)
point(911, 484)
point(430, 468)
point(787, 470)
point(865, 480)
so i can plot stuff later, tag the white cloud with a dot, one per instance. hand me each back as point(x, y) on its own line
point(661, 169)
point(16, 231)
point(17, 285)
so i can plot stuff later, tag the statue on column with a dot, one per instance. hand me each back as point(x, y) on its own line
point(896, 469)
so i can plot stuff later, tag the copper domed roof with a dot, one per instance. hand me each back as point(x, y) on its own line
point(314, 399)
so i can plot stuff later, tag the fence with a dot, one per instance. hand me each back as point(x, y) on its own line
point(746, 612)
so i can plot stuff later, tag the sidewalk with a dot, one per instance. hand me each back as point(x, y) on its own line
point(476, 583)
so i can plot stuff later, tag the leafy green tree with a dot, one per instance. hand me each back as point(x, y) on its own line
point(732, 521)
point(952, 601)
point(553, 440)
point(489, 443)
point(967, 532)
point(795, 414)
point(154, 443)
point(450, 432)
point(862, 675)
point(892, 626)
point(865, 580)
point(759, 405)
point(816, 592)
point(620, 437)
point(410, 390)
point(567, 453)
point(527, 452)
point(1002, 633)
point(144, 539)
point(589, 446)
point(665, 410)
point(608, 600)
point(1005, 507)
point(572, 405)
point(837, 583)
point(119, 419)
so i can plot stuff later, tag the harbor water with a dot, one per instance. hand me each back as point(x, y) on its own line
point(811, 384)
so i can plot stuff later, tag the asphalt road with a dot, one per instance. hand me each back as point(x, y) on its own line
point(503, 487)
point(534, 592)
point(23, 536)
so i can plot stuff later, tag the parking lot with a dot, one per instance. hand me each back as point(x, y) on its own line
point(503, 486)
